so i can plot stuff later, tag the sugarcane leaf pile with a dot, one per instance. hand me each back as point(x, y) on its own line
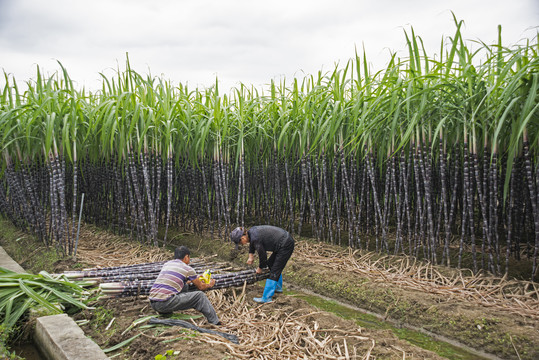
point(54, 293)
point(435, 156)
point(135, 280)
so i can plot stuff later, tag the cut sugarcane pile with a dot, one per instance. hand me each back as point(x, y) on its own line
point(135, 280)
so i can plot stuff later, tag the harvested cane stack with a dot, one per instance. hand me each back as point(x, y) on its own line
point(135, 280)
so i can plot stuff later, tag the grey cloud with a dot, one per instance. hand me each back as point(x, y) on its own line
point(239, 41)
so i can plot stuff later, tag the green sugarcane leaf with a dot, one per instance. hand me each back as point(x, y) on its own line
point(38, 298)
point(3, 270)
point(20, 310)
point(60, 295)
point(7, 310)
point(137, 322)
point(122, 344)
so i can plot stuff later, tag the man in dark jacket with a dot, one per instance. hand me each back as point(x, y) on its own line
point(261, 239)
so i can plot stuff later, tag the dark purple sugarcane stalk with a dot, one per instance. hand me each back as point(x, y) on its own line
point(420, 226)
point(321, 203)
point(326, 197)
point(17, 194)
point(486, 196)
point(122, 191)
point(291, 216)
point(142, 287)
point(425, 165)
point(68, 246)
point(444, 198)
point(303, 194)
point(405, 184)
point(494, 206)
point(137, 196)
point(152, 232)
point(238, 201)
point(336, 200)
point(277, 187)
point(157, 206)
point(347, 198)
point(509, 211)
point(38, 211)
point(483, 205)
point(387, 195)
point(28, 196)
point(398, 200)
point(454, 183)
point(54, 216)
point(129, 191)
point(535, 208)
point(356, 176)
point(19, 181)
point(426, 235)
point(137, 269)
point(217, 191)
point(169, 192)
point(311, 196)
point(148, 274)
point(223, 163)
point(364, 203)
point(468, 188)
point(464, 217)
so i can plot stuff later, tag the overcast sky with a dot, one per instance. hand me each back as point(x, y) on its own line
point(246, 41)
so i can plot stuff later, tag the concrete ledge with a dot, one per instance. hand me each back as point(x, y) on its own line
point(7, 262)
point(59, 337)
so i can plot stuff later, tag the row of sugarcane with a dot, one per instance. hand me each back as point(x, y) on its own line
point(136, 280)
point(437, 159)
point(436, 214)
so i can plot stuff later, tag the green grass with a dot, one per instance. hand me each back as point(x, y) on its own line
point(26, 250)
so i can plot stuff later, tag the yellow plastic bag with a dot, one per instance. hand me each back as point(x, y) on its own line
point(205, 277)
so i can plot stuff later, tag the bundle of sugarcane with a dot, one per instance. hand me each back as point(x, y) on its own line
point(145, 271)
point(142, 287)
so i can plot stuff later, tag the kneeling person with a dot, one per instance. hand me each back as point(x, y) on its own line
point(169, 294)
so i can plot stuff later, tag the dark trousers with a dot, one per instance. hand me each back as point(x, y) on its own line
point(278, 259)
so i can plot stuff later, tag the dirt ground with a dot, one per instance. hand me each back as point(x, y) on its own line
point(496, 316)
point(284, 311)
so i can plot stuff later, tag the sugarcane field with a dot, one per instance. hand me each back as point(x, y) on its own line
point(404, 206)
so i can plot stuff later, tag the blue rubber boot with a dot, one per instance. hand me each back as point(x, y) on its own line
point(279, 287)
point(269, 290)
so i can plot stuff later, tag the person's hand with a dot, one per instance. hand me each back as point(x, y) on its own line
point(250, 261)
point(259, 271)
point(212, 282)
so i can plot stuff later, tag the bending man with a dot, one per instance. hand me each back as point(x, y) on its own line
point(264, 238)
point(169, 294)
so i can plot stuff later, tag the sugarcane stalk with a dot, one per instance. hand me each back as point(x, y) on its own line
point(533, 200)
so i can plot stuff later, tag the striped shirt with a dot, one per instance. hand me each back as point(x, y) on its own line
point(171, 280)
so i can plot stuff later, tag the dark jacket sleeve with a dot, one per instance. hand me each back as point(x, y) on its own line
point(262, 256)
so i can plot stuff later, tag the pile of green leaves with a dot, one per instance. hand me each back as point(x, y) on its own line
point(53, 293)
